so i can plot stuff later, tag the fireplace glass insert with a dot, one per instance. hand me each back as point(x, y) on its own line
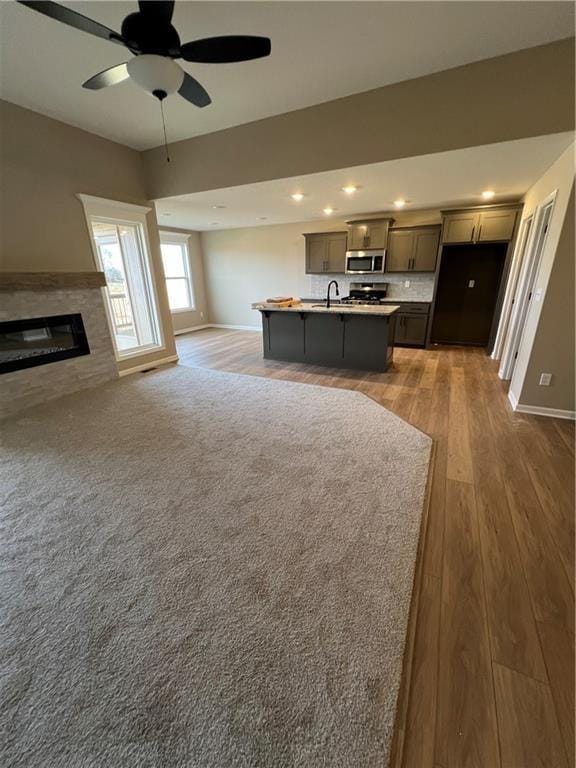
point(41, 340)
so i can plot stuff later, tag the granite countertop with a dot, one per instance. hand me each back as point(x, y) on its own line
point(384, 301)
point(340, 309)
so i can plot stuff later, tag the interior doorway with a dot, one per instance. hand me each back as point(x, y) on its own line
point(468, 286)
point(510, 298)
point(525, 292)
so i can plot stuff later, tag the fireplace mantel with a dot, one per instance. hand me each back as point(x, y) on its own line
point(45, 281)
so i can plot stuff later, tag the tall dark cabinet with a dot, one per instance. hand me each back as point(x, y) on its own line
point(471, 274)
point(468, 286)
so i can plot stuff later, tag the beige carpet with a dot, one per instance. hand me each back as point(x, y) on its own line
point(208, 570)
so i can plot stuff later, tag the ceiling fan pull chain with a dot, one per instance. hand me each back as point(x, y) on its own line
point(164, 127)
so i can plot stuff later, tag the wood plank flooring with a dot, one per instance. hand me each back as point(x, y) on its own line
point(492, 682)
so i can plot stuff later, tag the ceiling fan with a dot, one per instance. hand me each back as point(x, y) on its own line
point(149, 35)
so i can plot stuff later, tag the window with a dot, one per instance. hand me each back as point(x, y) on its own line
point(177, 271)
point(121, 252)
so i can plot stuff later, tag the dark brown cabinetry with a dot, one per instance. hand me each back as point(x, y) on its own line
point(411, 323)
point(468, 286)
point(337, 340)
point(479, 226)
point(326, 252)
point(412, 249)
point(411, 330)
point(369, 234)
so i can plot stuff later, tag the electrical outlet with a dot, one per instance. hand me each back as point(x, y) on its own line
point(545, 379)
point(406, 283)
point(201, 315)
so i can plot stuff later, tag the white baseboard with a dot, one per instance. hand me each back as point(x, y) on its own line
point(150, 364)
point(193, 328)
point(236, 327)
point(553, 413)
point(540, 410)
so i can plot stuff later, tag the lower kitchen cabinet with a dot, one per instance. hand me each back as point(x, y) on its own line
point(367, 344)
point(323, 339)
point(411, 323)
point(411, 330)
point(335, 339)
point(284, 335)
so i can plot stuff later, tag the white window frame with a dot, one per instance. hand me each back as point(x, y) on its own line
point(176, 238)
point(117, 212)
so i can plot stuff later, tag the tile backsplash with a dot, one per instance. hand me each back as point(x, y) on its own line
point(421, 285)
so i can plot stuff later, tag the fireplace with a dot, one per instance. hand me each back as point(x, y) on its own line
point(40, 340)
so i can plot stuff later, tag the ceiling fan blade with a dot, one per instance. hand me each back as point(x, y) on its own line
point(226, 49)
point(72, 19)
point(107, 77)
point(194, 92)
point(157, 10)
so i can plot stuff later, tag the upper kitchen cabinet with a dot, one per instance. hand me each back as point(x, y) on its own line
point(497, 225)
point(412, 249)
point(325, 253)
point(459, 227)
point(486, 225)
point(368, 234)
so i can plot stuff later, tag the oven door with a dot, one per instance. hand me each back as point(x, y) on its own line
point(359, 263)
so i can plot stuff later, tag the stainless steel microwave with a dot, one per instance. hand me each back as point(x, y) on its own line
point(365, 262)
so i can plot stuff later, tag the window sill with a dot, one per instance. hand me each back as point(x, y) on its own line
point(139, 352)
point(179, 311)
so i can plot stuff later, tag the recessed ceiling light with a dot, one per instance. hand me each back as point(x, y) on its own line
point(216, 207)
point(350, 189)
point(488, 194)
point(297, 196)
point(400, 203)
point(328, 210)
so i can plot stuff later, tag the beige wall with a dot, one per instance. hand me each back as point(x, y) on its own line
point(522, 94)
point(539, 329)
point(246, 265)
point(199, 315)
point(45, 164)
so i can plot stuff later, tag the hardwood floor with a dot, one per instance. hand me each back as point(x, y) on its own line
point(492, 682)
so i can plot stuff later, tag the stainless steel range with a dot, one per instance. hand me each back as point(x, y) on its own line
point(366, 293)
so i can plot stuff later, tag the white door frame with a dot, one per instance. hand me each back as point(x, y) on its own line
point(511, 289)
point(526, 281)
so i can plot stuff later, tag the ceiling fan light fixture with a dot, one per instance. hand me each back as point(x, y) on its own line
point(157, 75)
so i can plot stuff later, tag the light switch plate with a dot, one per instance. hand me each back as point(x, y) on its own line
point(406, 283)
point(545, 379)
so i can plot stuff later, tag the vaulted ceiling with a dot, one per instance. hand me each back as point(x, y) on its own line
point(320, 51)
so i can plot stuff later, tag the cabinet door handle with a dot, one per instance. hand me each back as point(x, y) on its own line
point(473, 229)
point(479, 232)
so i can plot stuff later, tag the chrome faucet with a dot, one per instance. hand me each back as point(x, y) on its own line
point(332, 282)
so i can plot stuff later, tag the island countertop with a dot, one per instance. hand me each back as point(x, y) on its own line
point(337, 309)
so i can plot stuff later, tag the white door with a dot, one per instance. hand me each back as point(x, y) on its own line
point(528, 273)
point(511, 297)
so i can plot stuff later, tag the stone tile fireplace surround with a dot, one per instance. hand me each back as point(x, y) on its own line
point(42, 294)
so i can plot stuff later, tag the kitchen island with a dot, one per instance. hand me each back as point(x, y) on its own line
point(339, 336)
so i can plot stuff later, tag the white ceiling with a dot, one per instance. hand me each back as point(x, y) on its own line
point(429, 181)
point(320, 51)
